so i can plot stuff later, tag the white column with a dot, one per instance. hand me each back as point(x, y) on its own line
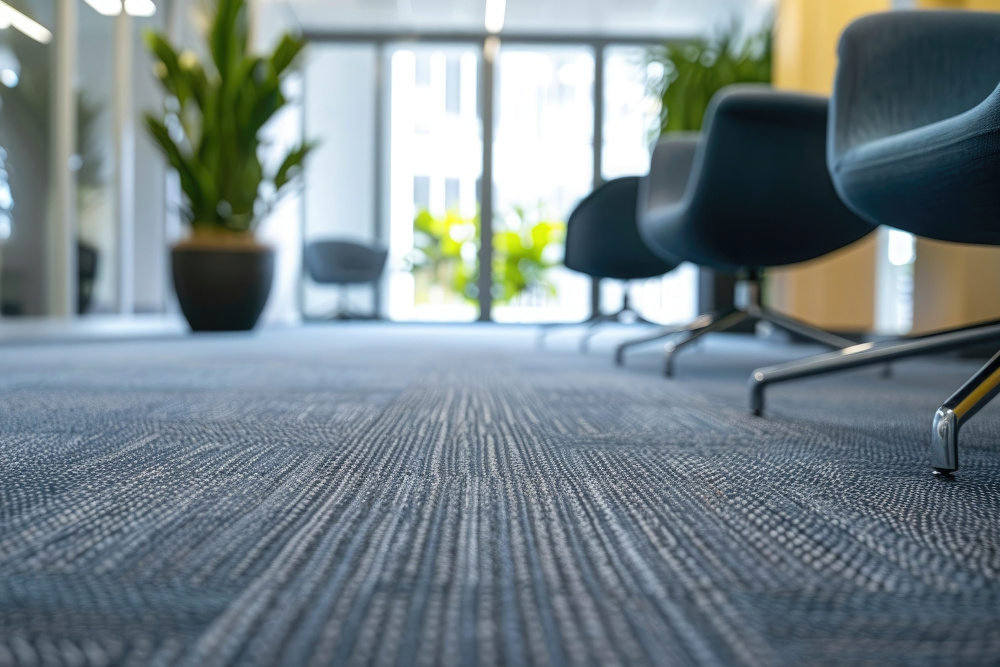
point(491, 51)
point(123, 124)
point(61, 238)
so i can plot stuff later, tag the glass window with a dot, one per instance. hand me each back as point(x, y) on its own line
point(97, 242)
point(340, 176)
point(25, 138)
point(435, 162)
point(894, 282)
point(630, 122)
point(543, 166)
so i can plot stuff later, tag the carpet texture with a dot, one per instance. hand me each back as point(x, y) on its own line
point(409, 495)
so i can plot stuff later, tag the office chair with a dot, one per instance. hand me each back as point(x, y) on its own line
point(345, 263)
point(602, 241)
point(757, 195)
point(914, 143)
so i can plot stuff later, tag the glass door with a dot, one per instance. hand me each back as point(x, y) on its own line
point(630, 124)
point(435, 158)
point(543, 166)
point(340, 179)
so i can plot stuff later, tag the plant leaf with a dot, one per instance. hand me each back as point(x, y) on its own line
point(291, 164)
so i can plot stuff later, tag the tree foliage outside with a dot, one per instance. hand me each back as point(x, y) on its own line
point(446, 253)
point(211, 127)
point(691, 72)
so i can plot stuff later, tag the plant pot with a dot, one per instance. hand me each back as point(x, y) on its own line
point(222, 287)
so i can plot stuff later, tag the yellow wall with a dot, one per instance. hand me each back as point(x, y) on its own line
point(838, 291)
point(979, 5)
point(805, 57)
point(955, 285)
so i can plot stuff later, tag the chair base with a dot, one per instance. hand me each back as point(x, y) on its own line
point(948, 419)
point(749, 308)
point(592, 324)
point(732, 318)
point(347, 316)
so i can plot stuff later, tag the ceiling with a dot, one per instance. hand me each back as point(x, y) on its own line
point(576, 17)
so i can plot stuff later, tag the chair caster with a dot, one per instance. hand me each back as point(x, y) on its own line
point(944, 472)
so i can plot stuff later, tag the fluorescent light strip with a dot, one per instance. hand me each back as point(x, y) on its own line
point(106, 7)
point(33, 29)
point(495, 12)
point(141, 8)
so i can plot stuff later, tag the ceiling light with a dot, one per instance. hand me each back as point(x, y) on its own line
point(33, 29)
point(140, 8)
point(9, 78)
point(495, 11)
point(106, 7)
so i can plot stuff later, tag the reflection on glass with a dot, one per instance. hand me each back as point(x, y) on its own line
point(97, 249)
point(25, 95)
point(340, 174)
point(435, 164)
point(543, 166)
point(630, 122)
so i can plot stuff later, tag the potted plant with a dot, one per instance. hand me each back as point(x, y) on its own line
point(693, 71)
point(210, 132)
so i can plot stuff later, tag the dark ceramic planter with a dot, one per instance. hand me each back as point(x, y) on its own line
point(222, 289)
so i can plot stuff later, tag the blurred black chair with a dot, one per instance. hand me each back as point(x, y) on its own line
point(914, 143)
point(345, 263)
point(602, 241)
point(758, 196)
point(86, 266)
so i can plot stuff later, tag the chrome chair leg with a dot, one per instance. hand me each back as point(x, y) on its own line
point(594, 322)
point(545, 329)
point(800, 328)
point(592, 329)
point(663, 332)
point(704, 325)
point(864, 354)
point(959, 409)
point(814, 334)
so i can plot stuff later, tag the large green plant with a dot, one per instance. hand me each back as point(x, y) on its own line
point(445, 248)
point(211, 128)
point(694, 71)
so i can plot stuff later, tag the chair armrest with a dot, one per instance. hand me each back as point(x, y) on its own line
point(903, 70)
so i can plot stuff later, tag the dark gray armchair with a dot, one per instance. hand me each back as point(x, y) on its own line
point(757, 195)
point(345, 263)
point(602, 241)
point(914, 143)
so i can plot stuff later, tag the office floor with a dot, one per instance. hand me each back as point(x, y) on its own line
point(447, 495)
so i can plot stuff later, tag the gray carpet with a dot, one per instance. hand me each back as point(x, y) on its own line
point(420, 495)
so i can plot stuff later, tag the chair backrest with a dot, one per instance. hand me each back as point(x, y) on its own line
point(344, 262)
point(669, 172)
point(902, 70)
point(760, 193)
point(914, 138)
point(602, 237)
